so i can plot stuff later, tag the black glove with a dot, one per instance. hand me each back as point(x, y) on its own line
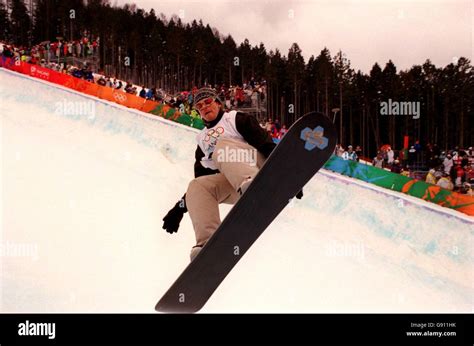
point(299, 194)
point(174, 216)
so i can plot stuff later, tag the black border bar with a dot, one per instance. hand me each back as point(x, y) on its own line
point(294, 329)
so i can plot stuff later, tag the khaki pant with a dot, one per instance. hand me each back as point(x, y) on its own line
point(206, 193)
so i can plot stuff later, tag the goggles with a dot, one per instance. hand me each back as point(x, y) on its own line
point(204, 103)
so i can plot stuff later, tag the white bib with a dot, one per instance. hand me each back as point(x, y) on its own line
point(208, 137)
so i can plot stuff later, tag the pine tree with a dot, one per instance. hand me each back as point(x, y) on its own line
point(5, 25)
point(20, 23)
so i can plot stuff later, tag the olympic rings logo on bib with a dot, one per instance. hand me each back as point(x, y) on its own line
point(213, 134)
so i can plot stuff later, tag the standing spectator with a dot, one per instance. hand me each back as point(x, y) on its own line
point(378, 160)
point(110, 83)
point(57, 48)
point(77, 73)
point(349, 154)
point(252, 83)
point(118, 84)
point(455, 156)
point(464, 160)
point(277, 125)
point(190, 96)
point(417, 146)
point(445, 182)
point(402, 157)
point(339, 150)
point(150, 94)
point(222, 92)
point(268, 126)
point(142, 92)
point(102, 81)
point(129, 88)
point(78, 49)
point(275, 133)
point(466, 189)
point(459, 176)
point(448, 164)
point(239, 96)
point(283, 131)
point(411, 155)
point(228, 103)
point(396, 167)
point(430, 177)
point(470, 152)
point(358, 151)
point(390, 156)
point(88, 76)
point(442, 156)
point(254, 98)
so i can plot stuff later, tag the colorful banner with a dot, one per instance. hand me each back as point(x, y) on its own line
point(397, 182)
point(12, 64)
point(171, 113)
point(40, 72)
point(149, 105)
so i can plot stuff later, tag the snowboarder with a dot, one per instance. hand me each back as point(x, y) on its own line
point(221, 174)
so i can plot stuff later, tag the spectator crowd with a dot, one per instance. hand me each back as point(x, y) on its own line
point(51, 55)
point(46, 52)
point(274, 128)
point(452, 169)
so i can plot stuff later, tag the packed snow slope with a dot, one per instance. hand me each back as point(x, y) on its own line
point(85, 184)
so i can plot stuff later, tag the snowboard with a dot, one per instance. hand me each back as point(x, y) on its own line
point(303, 150)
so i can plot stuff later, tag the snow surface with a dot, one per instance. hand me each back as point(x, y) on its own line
point(82, 203)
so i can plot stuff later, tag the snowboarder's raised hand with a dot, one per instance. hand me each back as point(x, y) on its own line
point(174, 216)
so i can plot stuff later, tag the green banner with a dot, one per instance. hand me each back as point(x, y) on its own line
point(397, 182)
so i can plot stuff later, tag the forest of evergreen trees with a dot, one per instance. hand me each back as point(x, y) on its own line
point(167, 53)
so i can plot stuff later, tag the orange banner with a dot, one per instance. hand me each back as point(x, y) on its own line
point(81, 85)
point(120, 97)
point(149, 105)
